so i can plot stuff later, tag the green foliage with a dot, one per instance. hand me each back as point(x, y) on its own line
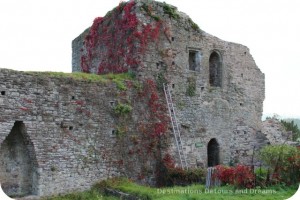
point(178, 176)
point(119, 79)
point(271, 154)
point(291, 126)
point(171, 11)
point(121, 131)
point(160, 80)
point(87, 195)
point(194, 25)
point(145, 7)
point(261, 174)
point(283, 161)
point(191, 88)
point(122, 109)
point(176, 193)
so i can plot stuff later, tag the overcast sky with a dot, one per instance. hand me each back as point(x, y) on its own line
point(36, 35)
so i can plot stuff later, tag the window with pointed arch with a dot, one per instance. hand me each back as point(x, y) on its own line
point(215, 69)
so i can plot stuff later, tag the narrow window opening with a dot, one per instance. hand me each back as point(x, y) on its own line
point(215, 72)
point(70, 128)
point(73, 97)
point(2, 92)
point(113, 132)
point(202, 89)
point(242, 75)
point(173, 85)
point(241, 104)
point(173, 63)
point(194, 60)
point(173, 38)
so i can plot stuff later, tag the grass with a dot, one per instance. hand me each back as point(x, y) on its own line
point(193, 192)
point(87, 195)
point(118, 79)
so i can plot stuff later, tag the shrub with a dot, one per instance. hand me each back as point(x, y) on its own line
point(178, 176)
point(283, 161)
point(191, 88)
point(291, 126)
point(122, 109)
point(240, 176)
point(261, 174)
point(171, 11)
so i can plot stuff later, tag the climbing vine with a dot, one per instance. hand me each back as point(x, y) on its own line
point(118, 41)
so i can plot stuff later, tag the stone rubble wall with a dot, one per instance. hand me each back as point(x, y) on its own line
point(276, 133)
point(69, 123)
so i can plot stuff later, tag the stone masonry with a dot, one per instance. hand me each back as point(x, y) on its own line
point(217, 88)
point(58, 134)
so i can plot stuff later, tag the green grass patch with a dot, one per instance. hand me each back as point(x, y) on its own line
point(118, 79)
point(193, 192)
point(87, 195)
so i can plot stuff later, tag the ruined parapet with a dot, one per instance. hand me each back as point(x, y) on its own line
point(276, 132)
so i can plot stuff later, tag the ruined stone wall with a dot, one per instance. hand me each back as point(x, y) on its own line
point(229, 110)
point(66, 141)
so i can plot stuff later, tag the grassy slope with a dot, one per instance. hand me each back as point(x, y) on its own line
point(193, 192)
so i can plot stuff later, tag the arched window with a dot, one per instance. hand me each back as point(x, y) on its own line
point(215, 69)
point(213, 153)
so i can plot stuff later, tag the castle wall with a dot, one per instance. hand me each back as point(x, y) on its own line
point(69, 125)
point(229, 110)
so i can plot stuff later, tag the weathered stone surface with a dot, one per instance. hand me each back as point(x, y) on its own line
point(276, 133)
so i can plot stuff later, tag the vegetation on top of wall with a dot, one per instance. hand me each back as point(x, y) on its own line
point(291, 126)
point(171, 11)
point(119, 79)
point(194, 25)
point(148, 10)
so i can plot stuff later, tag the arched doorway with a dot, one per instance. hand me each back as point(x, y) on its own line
point(213, 153)
point(18, 163)
point(215, 71)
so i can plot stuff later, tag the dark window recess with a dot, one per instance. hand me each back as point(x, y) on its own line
point(202, 89)
point(2, 92)
point(113, 132)
point(73, 97)
point(70, 128)
point(241, 104)
point(215, 72)
point(173, 85)
point(242, 75)
point(194, 60)
point(173, 38)
point(173, 63)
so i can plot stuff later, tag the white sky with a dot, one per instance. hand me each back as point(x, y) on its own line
point(36, 35)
